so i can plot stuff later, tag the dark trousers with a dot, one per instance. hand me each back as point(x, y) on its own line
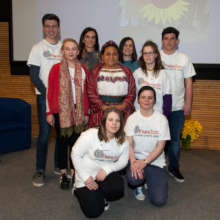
point(176, 123)
point(92, 201)
point(44, 132)
point(65, 145)
point(157, 183)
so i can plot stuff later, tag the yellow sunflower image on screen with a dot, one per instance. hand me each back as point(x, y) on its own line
point(164, 11)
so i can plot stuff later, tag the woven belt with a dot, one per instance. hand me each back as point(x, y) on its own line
point(112, 99)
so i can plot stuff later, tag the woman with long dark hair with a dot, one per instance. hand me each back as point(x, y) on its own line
point(128, 54)
point(89, 48)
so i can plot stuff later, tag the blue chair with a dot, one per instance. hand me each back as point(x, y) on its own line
point(15, 125)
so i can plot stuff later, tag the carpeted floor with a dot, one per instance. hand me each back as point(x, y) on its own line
point(198, 198)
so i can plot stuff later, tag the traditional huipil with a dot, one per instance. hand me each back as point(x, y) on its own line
point(110, 86)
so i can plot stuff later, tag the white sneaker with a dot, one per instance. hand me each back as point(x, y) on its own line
point(106, 206)
point(38, 179)
point(57, 172)
point(139, 193)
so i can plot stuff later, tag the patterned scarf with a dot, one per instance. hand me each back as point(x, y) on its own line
point(70, 114)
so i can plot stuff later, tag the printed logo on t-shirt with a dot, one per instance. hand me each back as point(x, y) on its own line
point(145, 132)
point(49, 55)
point(105, 155)
point(136, 129)
point(156, 86)
point(140, 81)
point(172, 67)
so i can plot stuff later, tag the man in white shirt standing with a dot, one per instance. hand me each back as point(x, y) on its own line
point(180, 71)
point(42, 57)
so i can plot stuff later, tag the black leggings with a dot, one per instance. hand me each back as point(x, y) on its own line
point(65, 145)
point(92, 201)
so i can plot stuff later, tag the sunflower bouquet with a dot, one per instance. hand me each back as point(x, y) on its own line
point(191, 131)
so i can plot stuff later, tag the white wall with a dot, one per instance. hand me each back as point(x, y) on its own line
point(197, 21)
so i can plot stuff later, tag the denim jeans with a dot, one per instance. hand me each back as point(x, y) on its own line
point(157, 183)
point(176, 123)
point(44, 132)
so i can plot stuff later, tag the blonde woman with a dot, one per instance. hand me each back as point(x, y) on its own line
point(67, 107)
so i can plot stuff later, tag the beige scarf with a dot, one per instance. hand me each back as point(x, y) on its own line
point(69, 114)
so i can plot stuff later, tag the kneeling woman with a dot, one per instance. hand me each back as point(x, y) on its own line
point(147, 131)
point(97, 156)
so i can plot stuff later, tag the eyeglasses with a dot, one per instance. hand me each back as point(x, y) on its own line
point(51, 26)
point(148, 53)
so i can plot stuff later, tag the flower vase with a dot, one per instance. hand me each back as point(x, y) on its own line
point(186, 142)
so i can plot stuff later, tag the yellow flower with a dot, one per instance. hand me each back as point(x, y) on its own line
point(192, 128)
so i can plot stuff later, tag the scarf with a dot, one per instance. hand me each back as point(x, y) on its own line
point(70, 114)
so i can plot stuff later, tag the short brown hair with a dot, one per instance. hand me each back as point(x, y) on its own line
point(120, 135)
point(170, 30)
point(50, 17)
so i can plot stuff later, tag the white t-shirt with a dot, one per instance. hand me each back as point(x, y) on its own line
point(89, 155)
point(146, 132)
point(178, 67)
point(161, 84)
point(44, 55)
point(72, 74)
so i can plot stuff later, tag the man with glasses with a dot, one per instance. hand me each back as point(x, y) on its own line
point(42, 57)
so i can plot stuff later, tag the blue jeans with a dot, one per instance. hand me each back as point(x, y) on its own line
point(157, 183)
point(176, 123)
point(44, 132)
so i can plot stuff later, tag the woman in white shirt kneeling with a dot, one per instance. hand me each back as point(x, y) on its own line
point(147, 131)
point(97, 156)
